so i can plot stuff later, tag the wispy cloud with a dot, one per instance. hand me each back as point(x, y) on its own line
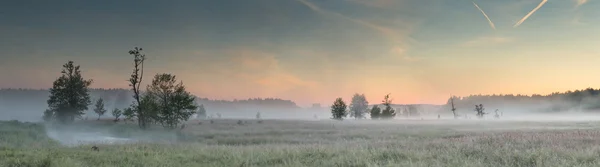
point(377, 3)
point(530, 13)
point(487, 41)
point(580, 2)
point(486, 16)
point(398, 38)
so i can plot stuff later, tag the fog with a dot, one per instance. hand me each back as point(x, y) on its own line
point(75, 138)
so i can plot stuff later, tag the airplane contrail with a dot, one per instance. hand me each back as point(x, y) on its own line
point(530, 13)
point(486, 16)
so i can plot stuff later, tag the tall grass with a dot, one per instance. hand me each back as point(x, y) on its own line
point(316, 143)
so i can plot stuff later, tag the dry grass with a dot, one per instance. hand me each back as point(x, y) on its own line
point(323, 143)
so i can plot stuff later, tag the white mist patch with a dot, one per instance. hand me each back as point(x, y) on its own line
point(81, 138)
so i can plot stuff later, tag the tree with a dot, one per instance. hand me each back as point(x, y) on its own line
point(167, 101)
point(135, 81)
point(375, 112)
point(338, 109)
point(479, 109)
point(358, 106)
point(412, 111)
point(99, 108)
point(117, 113)
point(201, 111)
point(388, 112)
point(48, 115)
point(453, 108)
point(257, 115)
point(129, 113)
point(69, 95)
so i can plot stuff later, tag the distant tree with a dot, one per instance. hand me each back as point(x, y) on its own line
point(453, 108)
point(479, 109)
point(201, 112)
point(99, 108)
point(48, 115)
point(497, 115)
point(135, 81)
point(388, 112)
point(117, 113)
point(123, 100)
point(172, 104)
point(257, 115)
point(413, 111)
point(375, 112)
point(129, 113)
point(69, 95)
point(358, 106)
point(338, 109)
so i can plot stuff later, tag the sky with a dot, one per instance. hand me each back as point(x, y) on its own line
point(310, 51)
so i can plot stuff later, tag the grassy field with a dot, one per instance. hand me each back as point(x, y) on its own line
point(313, 143)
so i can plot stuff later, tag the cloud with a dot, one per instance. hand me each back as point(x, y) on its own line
point(530, 13)
point(263, 69)
point(580, 2)
point(486, 16)
point(377, 3)
point(487, 41)
point(399, 38)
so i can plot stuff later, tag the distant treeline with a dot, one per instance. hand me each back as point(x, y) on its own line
point(578, 100)
point(30, 103)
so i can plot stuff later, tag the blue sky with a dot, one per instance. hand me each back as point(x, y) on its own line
point(310, 50)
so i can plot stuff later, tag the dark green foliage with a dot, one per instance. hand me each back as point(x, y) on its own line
point(69, 95)
point(48, 115)
point(479, 109)
point(338, 109)
point(358, 106)
point(201, 112)
point(167, 102)
point(375, 112)
point(129, 113)
point(99, 108)
point(117, 113)
point(135, 81)
point(388, 112)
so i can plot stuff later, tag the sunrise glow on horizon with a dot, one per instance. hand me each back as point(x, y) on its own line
point(309, 51)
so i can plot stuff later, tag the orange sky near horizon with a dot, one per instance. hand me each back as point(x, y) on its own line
point(312, 51)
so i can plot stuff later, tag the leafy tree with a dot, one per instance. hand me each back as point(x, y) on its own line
point(117, 113)
point(168, 101)
point(99, 108)
point(358, 106)
point(69, 95)
point(48, 115)
point(135, 81)
point(129, 113)
point(388, 112)
point(201, 112)
point(375, 112)
point(338, 109)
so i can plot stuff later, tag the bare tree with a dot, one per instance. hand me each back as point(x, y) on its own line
point(453, 108)
point(135, 81)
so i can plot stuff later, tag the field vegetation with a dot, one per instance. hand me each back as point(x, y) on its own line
point(310, 143)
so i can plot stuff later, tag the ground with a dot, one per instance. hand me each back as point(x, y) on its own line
point(314, 143)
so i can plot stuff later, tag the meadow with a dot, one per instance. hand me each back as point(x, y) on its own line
point(350, 143)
